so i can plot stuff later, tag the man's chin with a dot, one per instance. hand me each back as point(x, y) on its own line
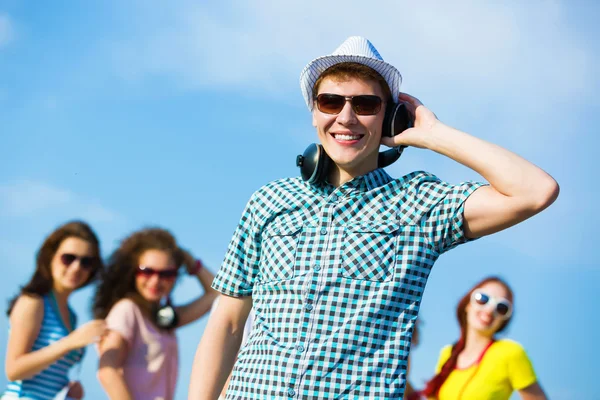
point(345, 164)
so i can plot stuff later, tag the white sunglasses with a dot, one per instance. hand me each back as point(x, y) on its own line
point(502, 307)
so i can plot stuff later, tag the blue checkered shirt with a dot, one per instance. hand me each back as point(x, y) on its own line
point(336, 276)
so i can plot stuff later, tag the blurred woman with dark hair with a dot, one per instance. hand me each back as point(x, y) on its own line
point(139, 356)
point(43, 343)
point(479, 366)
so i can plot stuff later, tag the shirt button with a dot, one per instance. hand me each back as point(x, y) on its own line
point(291, 392)
point(323, 231)
point(276, 230)
point(317, 267)
point(334, 199)
point(300, 348)
point(308, 307)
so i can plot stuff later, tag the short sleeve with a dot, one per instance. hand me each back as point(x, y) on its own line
point(121, 319)
point(444, 222)
point(240, 267)
point(444, 356)
point(520, 368)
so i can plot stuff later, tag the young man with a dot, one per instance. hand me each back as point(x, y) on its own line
point(336, 270)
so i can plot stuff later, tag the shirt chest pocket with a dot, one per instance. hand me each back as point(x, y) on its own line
point(278, 253)
point(369, 251)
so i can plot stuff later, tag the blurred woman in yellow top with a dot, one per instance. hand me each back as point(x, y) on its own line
point(477, 366)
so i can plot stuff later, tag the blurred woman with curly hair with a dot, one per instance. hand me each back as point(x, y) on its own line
point(139, 356)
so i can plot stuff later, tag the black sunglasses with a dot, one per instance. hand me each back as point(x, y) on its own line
point(87, 262)
point(364, 104)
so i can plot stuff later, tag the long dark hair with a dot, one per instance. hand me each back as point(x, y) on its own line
point(41, 282)
point(433, 386)
point(117, 280)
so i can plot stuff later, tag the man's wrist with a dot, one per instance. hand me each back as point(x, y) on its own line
point(443, 139)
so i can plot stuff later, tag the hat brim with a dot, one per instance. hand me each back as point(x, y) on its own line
point(310, 74)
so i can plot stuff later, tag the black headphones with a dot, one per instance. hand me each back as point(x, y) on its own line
point(314, 162)
point(165, 317)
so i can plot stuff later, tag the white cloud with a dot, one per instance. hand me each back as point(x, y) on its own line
point(440, 45)
point(6, 30)
point(31, 199)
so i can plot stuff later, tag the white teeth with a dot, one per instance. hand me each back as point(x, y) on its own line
point(347, 137)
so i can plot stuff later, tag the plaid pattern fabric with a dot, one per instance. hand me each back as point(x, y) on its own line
point(336, 276)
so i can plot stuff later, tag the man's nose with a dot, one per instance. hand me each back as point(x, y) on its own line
point(347, 116)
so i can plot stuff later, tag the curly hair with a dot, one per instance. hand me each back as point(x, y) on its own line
point(41, 282)
point(117, 281)
point(432, 387)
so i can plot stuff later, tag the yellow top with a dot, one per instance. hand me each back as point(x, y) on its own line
point(504, 368)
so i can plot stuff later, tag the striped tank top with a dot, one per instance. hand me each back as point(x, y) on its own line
point(47, 383)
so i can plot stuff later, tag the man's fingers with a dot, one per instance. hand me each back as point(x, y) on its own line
point(411, 100)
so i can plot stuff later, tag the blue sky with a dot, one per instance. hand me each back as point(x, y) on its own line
point(129, 114)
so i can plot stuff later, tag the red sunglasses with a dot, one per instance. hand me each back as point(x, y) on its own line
point(164, 274)
point(86, 262)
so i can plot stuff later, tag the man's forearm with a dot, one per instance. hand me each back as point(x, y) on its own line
point(508, 173)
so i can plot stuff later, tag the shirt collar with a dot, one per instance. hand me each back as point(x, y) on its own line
point(363, 183)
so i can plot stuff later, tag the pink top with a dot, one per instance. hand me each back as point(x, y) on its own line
point(151, 367)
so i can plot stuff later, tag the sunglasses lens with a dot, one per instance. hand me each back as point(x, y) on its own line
point(481, 298)
point(88, 262)
point(145, 271)
point(502, 309)
point(67, 259)
point(168, 274)
point(330, 103)
point(366, 104)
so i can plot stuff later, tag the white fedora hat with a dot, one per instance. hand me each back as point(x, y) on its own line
point(354, 49)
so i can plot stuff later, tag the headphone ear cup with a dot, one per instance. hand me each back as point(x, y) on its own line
point(308, 162)
point(388, 157)
point(314, 164)
point(166, 317)
point(388, 119)
point(403, 120)
point(323, 164)
point(396, 120)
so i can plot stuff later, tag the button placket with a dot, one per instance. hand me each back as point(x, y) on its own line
point(309, 293)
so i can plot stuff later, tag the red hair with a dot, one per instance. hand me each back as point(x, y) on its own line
point(433, 386)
